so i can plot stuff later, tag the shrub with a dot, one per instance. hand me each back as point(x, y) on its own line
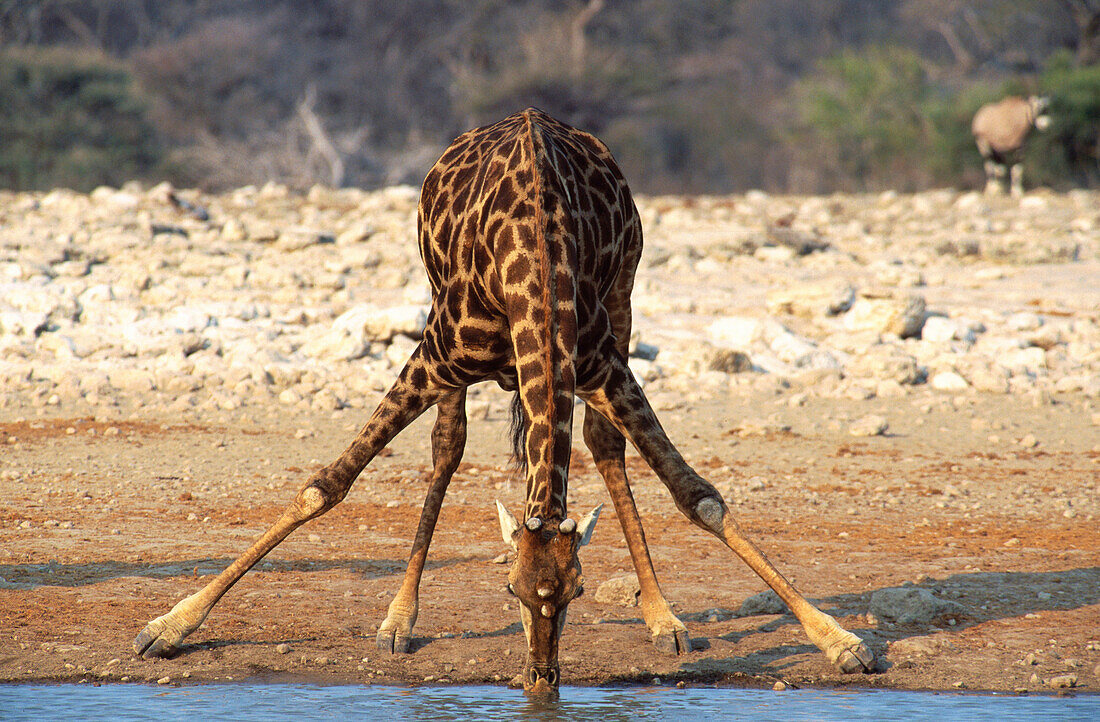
point(1069, 151)
point(70, 118)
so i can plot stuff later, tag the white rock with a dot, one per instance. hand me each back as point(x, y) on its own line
point(885, 363)
point(948, 381)
point(23, 323)
point(821, 298)
point(399, 350)
point(910, 605)
point(903, 317)
point(1031, 359)
point(57, 346)
point(186, 318)
point(621, 591)
point(1024, 321)
point(986, 376)
point(870, 425)
point(134, 381)
point(939, 329)
point(336, 345)
point(762, 603)
point(371, 323)
point(736, 332)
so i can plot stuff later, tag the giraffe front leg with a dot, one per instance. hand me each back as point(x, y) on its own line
point(448, 443)
point(410, 395)
point(844, 649)
point(162, 636)
point(608, 446)
point(621, 400)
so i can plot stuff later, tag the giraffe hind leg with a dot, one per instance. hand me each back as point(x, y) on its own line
point(608, 446)
point(410, 395)
point(448, 443)
point(622, 402)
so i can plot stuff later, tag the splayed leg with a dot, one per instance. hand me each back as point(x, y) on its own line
point(409, 397)
point(448, 443)
point(621, 400)
point(608, 446)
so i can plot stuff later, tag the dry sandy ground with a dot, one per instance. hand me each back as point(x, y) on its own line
point(107, 523)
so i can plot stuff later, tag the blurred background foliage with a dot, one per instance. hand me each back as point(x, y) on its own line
point(693, 96)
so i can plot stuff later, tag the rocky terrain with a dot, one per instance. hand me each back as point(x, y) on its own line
point(126, 298)
point(900, 391)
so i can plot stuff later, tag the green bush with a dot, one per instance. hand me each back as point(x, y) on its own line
point(863, 119)
point(72, 119)
point(1068, 153)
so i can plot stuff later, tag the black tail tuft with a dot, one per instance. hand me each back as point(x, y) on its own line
point(518, 432)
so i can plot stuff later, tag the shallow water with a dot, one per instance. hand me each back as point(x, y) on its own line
point(283, 701)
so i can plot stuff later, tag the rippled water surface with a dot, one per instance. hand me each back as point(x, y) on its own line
point(284, 701)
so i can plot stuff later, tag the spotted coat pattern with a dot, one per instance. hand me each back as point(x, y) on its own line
point(530, 239)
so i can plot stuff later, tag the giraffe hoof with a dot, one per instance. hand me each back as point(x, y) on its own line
point(154, 641)
point(857, 659)
point(388, 640)
point(673, 642)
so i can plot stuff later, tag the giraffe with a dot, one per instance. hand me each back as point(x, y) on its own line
point(530, 239)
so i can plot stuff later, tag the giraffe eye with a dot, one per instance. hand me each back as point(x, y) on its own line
point(511, 590)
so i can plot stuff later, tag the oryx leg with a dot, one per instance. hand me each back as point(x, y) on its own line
point(1016, 182)
point(994, 178)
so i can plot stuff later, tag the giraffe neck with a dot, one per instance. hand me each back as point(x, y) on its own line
point(545, 337)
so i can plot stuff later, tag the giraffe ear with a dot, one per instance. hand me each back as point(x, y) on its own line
point(508, 525)
point(587, 525)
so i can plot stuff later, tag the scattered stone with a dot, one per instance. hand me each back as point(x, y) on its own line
point(1062, 681)
point(266, 301)
point(911, 605)
point(902, 317)
point(870, 425)
point(767, 602)
point(622, 591)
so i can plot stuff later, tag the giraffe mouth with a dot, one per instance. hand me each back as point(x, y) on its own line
point(539, 679)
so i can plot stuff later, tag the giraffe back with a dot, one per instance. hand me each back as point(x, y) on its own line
point(525, 229)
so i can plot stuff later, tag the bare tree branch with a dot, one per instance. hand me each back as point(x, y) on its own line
point(321, 142)
point(577, 30)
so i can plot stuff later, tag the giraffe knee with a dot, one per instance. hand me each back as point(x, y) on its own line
point(311, 502)
point(709, 512)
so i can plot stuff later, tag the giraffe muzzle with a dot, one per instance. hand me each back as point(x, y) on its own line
point(540, 678)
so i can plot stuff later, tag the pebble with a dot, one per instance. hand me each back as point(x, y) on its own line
point(1062, 681)
point(911, 605)
point(766, 602)
point(870, 425)
point(621, 591)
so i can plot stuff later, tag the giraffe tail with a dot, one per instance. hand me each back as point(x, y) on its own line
point(518, 432)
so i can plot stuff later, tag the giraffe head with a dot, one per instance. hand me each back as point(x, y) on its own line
point(545, 577)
